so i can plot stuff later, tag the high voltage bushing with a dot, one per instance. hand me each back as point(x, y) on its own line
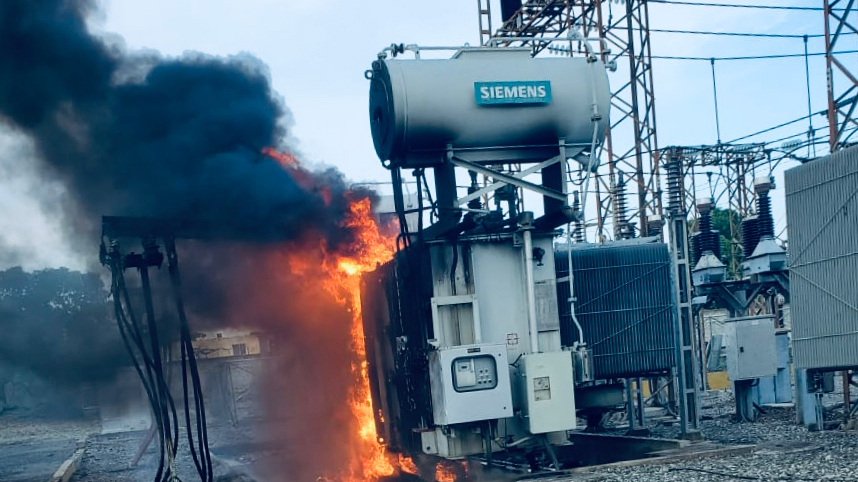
point(765, 222)
point(675, 202)
point(578, 231)
point(622, 230)
point(706, 238)
point(750, 235)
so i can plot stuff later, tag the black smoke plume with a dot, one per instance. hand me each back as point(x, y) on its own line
point(139, 135)
point(132, 134)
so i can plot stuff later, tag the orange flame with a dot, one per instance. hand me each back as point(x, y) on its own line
point(341, 278)
point(444, 473)
point(299, 174)
point(372, 248)
point(283, 158)
point(408, 465)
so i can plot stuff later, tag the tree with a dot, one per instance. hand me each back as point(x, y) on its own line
point(56, 323)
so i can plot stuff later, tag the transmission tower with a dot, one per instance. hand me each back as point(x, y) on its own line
point(621, 36)
point(842, 83)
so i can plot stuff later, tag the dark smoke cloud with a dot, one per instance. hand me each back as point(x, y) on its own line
point(139, 135)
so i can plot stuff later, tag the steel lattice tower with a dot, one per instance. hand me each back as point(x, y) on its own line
point(621, 32)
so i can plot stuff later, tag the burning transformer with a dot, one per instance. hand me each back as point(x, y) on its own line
point(463, 326)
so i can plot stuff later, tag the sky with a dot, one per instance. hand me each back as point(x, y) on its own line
point(317, 53)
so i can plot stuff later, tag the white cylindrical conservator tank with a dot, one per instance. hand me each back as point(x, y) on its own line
point(484, 98)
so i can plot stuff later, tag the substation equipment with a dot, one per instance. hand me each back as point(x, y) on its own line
point(481, 341)
point(754, 342)
point(821, 204)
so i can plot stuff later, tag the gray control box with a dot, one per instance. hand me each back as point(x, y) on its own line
point(470, 383)
point(750, 345)
point(548, 391)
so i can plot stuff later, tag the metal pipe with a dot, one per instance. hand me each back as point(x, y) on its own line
point(533, 329)
point(571, 286)
point(518, 442)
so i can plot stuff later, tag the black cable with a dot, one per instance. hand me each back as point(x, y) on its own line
point(163, 395)
point(396, 180)
point(419, 173)
point(735, 5)
point(123, 331)
point(152, 377)
point(202, 460)
point(166, 420)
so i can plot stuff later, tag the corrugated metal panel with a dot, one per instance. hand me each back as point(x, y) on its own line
point(822, 205)
point(625, 304)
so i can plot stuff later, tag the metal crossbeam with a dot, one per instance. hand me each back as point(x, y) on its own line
point(499, 184)
point(508, 179)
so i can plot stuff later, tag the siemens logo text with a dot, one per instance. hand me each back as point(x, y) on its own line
point(534, 92)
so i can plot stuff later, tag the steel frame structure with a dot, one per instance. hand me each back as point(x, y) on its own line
point(622, 32)
point(842, 99)
point(737, 165)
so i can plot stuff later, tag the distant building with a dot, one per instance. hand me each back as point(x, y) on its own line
point(230, 342)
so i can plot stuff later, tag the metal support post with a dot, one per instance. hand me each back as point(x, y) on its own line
point(641, 407)
point(630, 405)
point(526, 222)
point(686, 359)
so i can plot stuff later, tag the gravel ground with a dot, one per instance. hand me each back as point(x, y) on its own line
point(785, 450)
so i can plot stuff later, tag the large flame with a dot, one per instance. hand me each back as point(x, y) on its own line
point(371, 249)
point(340, 274)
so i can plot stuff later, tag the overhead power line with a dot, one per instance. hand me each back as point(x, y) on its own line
point(772, 128)
point(736, 5)
point(566, 51)
point(739, 34)
point(751, 57)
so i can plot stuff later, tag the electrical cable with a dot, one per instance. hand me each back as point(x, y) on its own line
point(150, 381)
point(735, 5)
point(122, 322)
point(715, 95)
point(567, 51)
point(740, 34)
point(153, 377)
point(164, 398)
point(809, 111)
point(202, 461)
point(749, 57)
point(769, 129)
